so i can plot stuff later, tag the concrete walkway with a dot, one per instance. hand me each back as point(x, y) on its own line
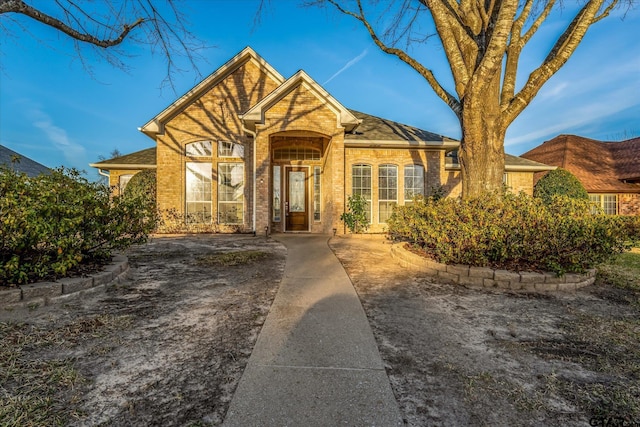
point(315, 362)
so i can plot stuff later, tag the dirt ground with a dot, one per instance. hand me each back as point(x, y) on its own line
point(458, 356)
point(168, 346)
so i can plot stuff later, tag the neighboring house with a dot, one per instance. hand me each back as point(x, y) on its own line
point(249, 148)
point(609, 171)
point(19, 163)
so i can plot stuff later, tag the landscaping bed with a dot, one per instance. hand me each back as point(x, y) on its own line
point(166, 347)
point(462, 356)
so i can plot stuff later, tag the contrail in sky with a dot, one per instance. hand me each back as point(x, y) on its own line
point(348, 65)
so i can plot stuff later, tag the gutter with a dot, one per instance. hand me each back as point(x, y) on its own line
point(253, 134)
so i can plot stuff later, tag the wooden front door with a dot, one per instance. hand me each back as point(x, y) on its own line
point(296, 206)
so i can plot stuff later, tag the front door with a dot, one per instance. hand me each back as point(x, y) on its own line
point(297, 200)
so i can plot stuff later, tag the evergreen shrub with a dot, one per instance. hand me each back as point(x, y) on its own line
point(514, 232)
point(54, 223)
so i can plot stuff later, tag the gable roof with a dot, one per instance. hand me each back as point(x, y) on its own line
point(143, 159)
point(602, 167)
point(256, 113)
point(155, 125)
point(23, 165)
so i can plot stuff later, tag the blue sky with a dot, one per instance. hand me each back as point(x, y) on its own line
point(57, 113)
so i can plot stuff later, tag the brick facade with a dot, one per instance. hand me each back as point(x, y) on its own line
point(629, 204)
point(248, 103)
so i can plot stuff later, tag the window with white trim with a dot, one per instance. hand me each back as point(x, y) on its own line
point(230, 193)
point(316, 193)
point(413, 182)
point(361, 184)
point(608, 203)
point(277, 208)
point(198, 197)
point(230, 149)
point(198, 149)
point(387, 191)
point(123, 180)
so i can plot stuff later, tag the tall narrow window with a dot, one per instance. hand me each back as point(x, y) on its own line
point(316, 193)
point(198, 192)
point(277, 206)
point(413, 182)
point(123, 181)
point(230, 149)
point(230, 193)
point(198, 149)
point(387, 191)
point(361, 184)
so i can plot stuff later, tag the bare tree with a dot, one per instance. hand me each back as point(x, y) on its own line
point(483, 42)
point(104, 26)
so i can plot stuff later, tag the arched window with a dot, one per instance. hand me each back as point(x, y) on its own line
point(198, 149)
point(296, 153)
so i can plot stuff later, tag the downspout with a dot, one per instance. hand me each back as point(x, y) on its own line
point(101, 172)
point(255, 193)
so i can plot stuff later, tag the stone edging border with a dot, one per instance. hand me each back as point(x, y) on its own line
point(40, 294)
point(484, 277)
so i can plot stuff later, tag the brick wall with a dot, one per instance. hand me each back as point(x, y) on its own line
point(431, 160)
point(213, 116)
point(629, 204)
point(114, 179)
point(520, 182)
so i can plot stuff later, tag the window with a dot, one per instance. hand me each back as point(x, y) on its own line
point(296, 153)
point(387, 191)
point(198, 192)
point(276, 195)
point(123, 180)
point(198, 149)
point(316, 193)
point(230, 149)
point(230, 193)
point(413, 182)
point(361, 184)
point(506, 180)
point(607, 202)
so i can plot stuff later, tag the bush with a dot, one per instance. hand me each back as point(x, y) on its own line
point(142, 189)
point(515, 232)
point(559, 182)
point(52, 223)
point(356, 216)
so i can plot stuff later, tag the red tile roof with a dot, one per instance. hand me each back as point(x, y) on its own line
point(602, 167)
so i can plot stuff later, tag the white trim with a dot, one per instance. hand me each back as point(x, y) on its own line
point(407, 144)
point(344, 117)
point(125, 166)
point(155, 126)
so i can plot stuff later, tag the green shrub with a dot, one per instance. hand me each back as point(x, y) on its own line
point(559, 182)
point(515, 232)
point(356, 216)
point(142, 189)
point(52, 223)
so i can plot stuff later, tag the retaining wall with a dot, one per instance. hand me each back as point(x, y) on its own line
point(484, 277)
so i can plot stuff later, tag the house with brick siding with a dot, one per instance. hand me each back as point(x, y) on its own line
point(249, 149)
point(609, 171)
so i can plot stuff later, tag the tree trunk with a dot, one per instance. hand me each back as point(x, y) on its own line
point(481, 152)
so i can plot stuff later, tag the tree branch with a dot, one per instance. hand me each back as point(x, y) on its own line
point(18, 6)
point(443, 94)
point(564, 47)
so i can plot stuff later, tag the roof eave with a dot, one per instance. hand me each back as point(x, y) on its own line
point(439, 145)
point(124, 166)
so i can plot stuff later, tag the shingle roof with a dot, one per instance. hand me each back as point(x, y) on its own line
point(375, 128)
point(25, 164)
point(602, 167)
point(139, 160)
